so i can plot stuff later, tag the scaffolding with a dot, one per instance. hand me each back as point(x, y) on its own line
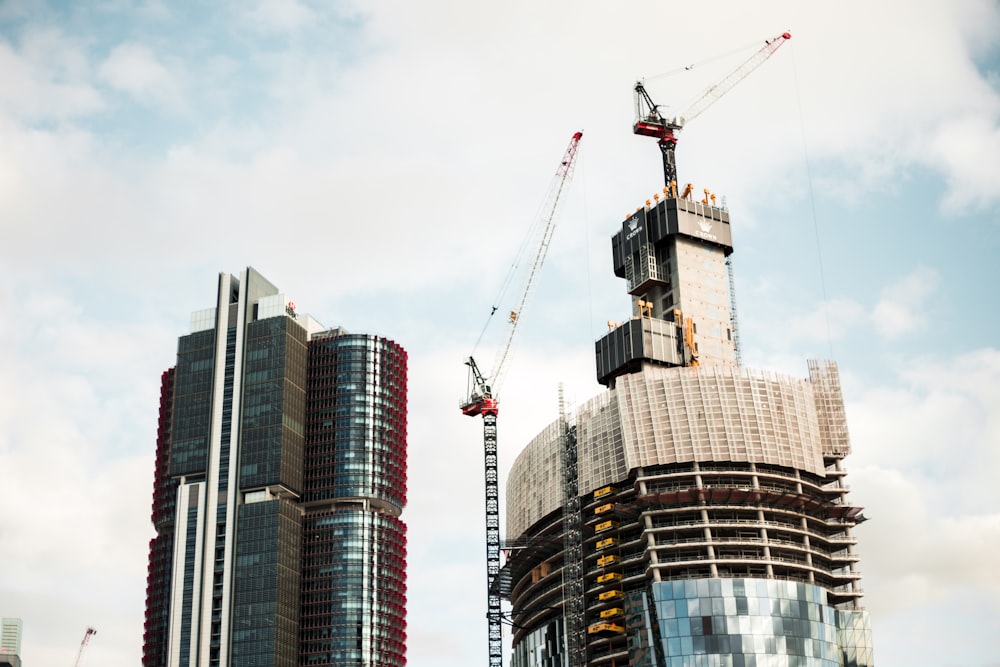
point(830, 414)
point(573, 600)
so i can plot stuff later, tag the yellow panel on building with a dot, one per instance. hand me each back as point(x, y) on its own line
point(605, 627)
point(607, 542)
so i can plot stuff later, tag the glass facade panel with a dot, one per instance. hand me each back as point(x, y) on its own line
point(354, 589)
point(356, 420)
point(776, 623)
point(273, 404)
point(192, 403)
point(543, 647)
point(265, 602)
point(354, 558)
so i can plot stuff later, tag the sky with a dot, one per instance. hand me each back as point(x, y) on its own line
point(382, 162)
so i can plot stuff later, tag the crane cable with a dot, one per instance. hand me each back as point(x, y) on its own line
point(538, 237)
point(512, 272)
point(546, 223)
point(812, 206)
point(586, 239)
point(700, 63)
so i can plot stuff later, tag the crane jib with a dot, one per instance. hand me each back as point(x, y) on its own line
point(649, 122)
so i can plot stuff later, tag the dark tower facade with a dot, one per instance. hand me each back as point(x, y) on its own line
point(279, 485)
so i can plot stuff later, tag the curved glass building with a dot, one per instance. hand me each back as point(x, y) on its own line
point(695, 514)
point(279, 487)
point(354, 543)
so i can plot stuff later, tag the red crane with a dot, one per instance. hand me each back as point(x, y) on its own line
point(83, 644)
point(482, 401)
point(650, 123)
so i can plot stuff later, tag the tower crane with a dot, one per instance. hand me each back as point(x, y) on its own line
point(83, 644)
point(651, 123)
point(482, 401)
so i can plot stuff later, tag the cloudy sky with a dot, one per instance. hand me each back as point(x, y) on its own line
point(381, 163)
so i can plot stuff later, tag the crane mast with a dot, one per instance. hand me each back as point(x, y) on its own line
point(651, 123)
point(482, 401)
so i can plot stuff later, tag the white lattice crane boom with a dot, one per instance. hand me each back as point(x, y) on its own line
point(730, 80)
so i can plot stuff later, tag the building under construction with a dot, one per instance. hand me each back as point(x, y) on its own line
point(695, 513)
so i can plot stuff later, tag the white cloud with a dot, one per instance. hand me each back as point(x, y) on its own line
point(278, 15)
point(968, 149)
point(918, 558)
point(77, 421)
point(939, 419)
point(864, 105)
point(153, 9)
point(136, 70)
point(829, 321)
point(902, 308)
point(47, 78)
point(926, 449)
point(925, 453)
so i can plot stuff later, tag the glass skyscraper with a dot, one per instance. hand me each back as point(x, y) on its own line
point(695, 514)
point(279, 484)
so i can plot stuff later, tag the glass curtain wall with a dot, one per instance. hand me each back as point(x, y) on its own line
point(354, 544)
